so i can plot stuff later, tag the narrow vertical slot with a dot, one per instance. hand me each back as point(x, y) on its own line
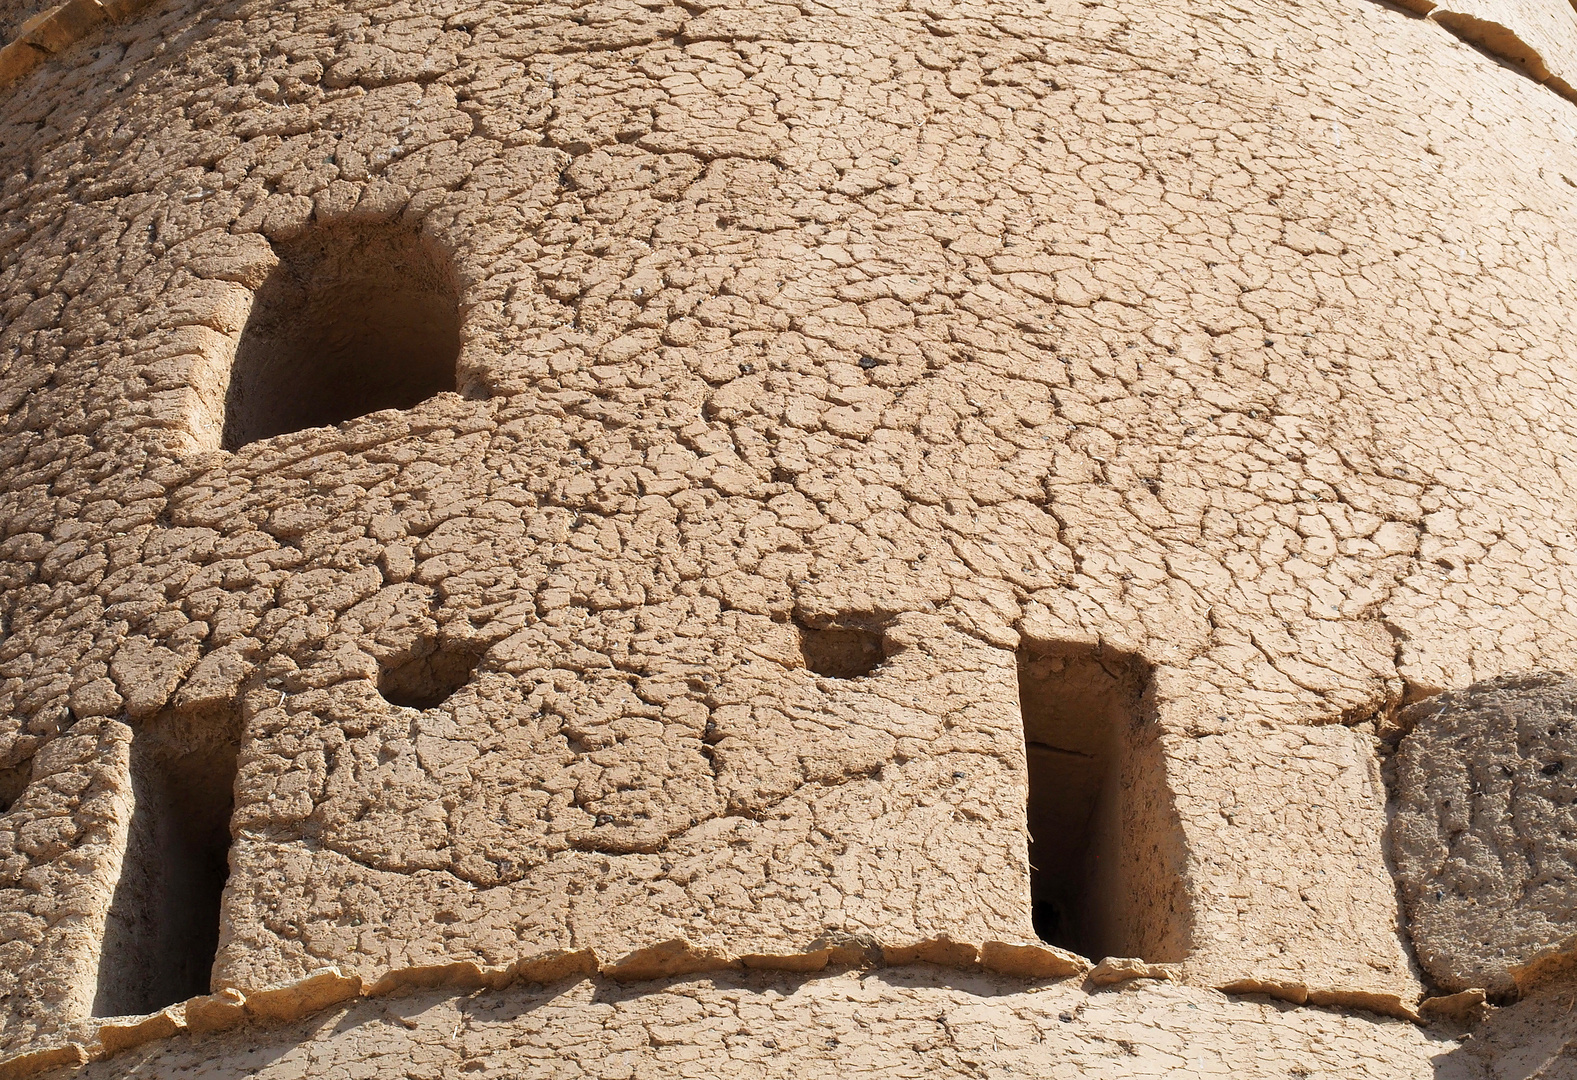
point(162, 930)
point(1081, 706)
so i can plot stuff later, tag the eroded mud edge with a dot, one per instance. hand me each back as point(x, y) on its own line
point(327, 987)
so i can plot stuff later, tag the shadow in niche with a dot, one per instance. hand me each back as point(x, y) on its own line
point(357, 317)
point(162, 930)
point(1099, 884)
point(843, 651)
point(427, 675)
point(13, 782)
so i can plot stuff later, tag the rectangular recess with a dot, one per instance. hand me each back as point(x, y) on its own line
point(162, 930)
point(1083, 708)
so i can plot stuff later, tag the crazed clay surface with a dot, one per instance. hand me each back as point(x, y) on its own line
point(888, 1024)
point(1230, 339)
point(1484, 829)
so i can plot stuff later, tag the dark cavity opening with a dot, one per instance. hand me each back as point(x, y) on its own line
point(425, 677)
point(1082, 709)
point(356, 317)
point(162, 931)
point(841, 652)
point(13, 781)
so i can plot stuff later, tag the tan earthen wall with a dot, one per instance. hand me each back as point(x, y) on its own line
point(1237, 340)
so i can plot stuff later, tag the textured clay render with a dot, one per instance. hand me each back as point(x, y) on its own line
point(1485, 833)
point(740, 537)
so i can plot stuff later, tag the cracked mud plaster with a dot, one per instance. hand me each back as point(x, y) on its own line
point(888, 1024)
point(1232, 339)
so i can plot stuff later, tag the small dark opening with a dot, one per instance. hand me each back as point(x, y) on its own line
point(13, 781)
point(356, 317)
point(1079, 707)
point(425, 677)
point(162, 931)
point(841, 652)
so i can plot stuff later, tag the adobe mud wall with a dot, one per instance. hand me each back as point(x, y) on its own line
point(805, 437)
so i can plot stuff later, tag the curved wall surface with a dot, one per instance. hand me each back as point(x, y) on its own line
point(665, 485)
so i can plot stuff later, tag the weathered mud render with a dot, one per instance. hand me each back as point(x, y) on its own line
point(655, 539)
